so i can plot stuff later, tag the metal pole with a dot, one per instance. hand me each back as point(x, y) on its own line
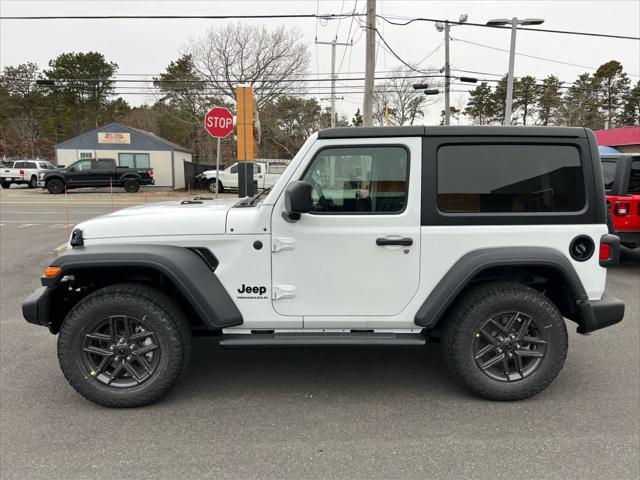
point(512, 55)
point(370, 68)
point(447, 76)
point(333, 83)
point(217, 167)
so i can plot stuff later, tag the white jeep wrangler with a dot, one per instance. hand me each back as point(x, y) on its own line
point(483, 238)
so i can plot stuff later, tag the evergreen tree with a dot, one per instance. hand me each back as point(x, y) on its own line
point(630, 114)
point(549, 101)
point(480, 106)
point(580, 107)
point(614, 84)
point(525, 95)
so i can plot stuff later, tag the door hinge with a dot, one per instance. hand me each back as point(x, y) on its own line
point(283, 291)
point(283, 243)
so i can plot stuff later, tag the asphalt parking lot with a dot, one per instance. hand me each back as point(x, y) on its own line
point(381, 413)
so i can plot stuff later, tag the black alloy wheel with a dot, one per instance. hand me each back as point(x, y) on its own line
point(121, 351)
point(509, 346)
point(55, 186)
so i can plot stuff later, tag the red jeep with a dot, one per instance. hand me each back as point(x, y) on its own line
point(622, 187)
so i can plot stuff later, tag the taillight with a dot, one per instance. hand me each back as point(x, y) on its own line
point(21, 172)
point(621, 208)
point(151, 173)
point(605, 251)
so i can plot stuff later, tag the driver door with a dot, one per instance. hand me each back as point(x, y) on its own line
point(343, 262)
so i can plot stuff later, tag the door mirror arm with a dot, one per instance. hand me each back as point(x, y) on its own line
point(297, 200)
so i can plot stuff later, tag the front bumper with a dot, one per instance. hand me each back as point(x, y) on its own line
point(35, 308)
point(597, 314)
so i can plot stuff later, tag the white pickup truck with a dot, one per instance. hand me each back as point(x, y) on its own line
point(266, 174)
point(24, 172)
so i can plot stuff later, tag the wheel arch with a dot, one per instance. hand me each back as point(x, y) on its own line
point(185, 274)
point(543, 268)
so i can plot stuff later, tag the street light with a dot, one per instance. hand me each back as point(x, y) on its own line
point(514, 22)
point(445, 26)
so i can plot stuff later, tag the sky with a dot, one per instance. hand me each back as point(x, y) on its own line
point(147, 46)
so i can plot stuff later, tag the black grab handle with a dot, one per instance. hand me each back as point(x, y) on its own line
point(383, 242)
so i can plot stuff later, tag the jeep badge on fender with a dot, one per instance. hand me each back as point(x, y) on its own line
point(488, 239)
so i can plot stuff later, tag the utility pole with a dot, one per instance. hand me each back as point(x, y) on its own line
point(446, 28)
point(333, 75)
point(370, 68)
point(447, 76)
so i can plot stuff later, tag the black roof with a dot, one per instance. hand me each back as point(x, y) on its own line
point(451, 131)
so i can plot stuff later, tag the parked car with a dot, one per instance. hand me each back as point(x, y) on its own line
point(102, 172)
point(265, 175)
point(24, 172)
point(485, 238)
point(622, 187)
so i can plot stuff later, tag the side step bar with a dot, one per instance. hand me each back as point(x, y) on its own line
point(302, 339)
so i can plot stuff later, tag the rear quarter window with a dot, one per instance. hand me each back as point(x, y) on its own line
point(634, 178)
point(491, 178)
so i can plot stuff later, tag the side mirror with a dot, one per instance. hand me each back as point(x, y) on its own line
point(297, 200)
point(72, 169)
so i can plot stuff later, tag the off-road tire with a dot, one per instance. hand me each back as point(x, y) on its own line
point(472, 310)
point(131, 185)
point(33, 182)
point(213, 186)
point(55, 186)
point(5, 185)
point(159, 311)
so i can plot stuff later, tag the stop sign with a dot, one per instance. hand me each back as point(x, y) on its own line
point(219, 122)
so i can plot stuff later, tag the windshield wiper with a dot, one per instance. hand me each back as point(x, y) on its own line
point(257, 195)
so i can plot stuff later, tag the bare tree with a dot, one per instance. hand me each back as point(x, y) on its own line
point(398, 99)
point(269, 61)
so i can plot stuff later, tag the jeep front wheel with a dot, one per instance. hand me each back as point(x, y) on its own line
point(124, 345)
point(505, 341)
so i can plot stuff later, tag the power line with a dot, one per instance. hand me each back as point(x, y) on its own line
point(544, 30)
point(529, 56)
point(325, 17)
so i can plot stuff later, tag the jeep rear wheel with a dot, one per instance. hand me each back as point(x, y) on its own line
point(214, 186)
point(505, 341)
point(55, 186)
point(131, 185)
point(124, 345)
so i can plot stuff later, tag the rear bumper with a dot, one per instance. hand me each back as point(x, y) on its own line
point(597, 314)
point(629, 237)
point(35, 308)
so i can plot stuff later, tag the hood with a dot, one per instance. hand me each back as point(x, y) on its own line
point(206, 217)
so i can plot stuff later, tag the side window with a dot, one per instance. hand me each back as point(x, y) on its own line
point(634, 177)
point(134, 160)
point(258, 168)
point(82, 165)
point(509, 178)
point(359, 179)
point(608, 173)
point(234, 168)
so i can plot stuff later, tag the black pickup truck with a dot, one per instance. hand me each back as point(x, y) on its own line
point(102, 172)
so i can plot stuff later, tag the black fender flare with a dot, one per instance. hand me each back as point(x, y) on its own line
point(474, 262)
point(189, 270)
point(53, 176)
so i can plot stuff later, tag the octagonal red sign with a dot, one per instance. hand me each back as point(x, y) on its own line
point(218, 122)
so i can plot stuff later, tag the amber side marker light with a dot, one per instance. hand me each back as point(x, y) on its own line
point(52, 272)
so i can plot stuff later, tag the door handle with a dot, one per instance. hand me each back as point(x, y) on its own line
point(383, 242)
